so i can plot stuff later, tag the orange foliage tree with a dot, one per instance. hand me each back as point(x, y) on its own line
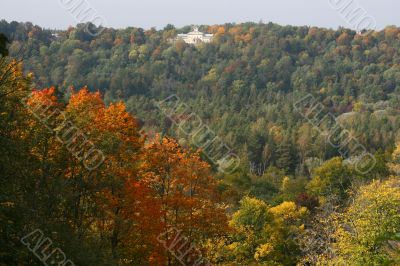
point(134, 197)
point(183, 185)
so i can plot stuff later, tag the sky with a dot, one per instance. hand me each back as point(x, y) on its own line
point(59, 14)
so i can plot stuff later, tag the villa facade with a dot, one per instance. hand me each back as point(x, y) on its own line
point(195, 37)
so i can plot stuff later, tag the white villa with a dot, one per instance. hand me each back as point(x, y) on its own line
point(195, 37)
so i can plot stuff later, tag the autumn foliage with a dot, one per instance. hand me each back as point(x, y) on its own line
point(108, 190)
point(142, 190)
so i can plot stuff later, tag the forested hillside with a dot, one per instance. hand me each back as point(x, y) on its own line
point(243, 85)
point(295, 199)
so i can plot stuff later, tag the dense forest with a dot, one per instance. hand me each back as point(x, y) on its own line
point(295, 198)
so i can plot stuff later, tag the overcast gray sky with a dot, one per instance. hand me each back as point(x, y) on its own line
point(158, 13)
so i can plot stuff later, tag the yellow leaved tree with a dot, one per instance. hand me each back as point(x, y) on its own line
point(263, 235)
point(368, 232)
